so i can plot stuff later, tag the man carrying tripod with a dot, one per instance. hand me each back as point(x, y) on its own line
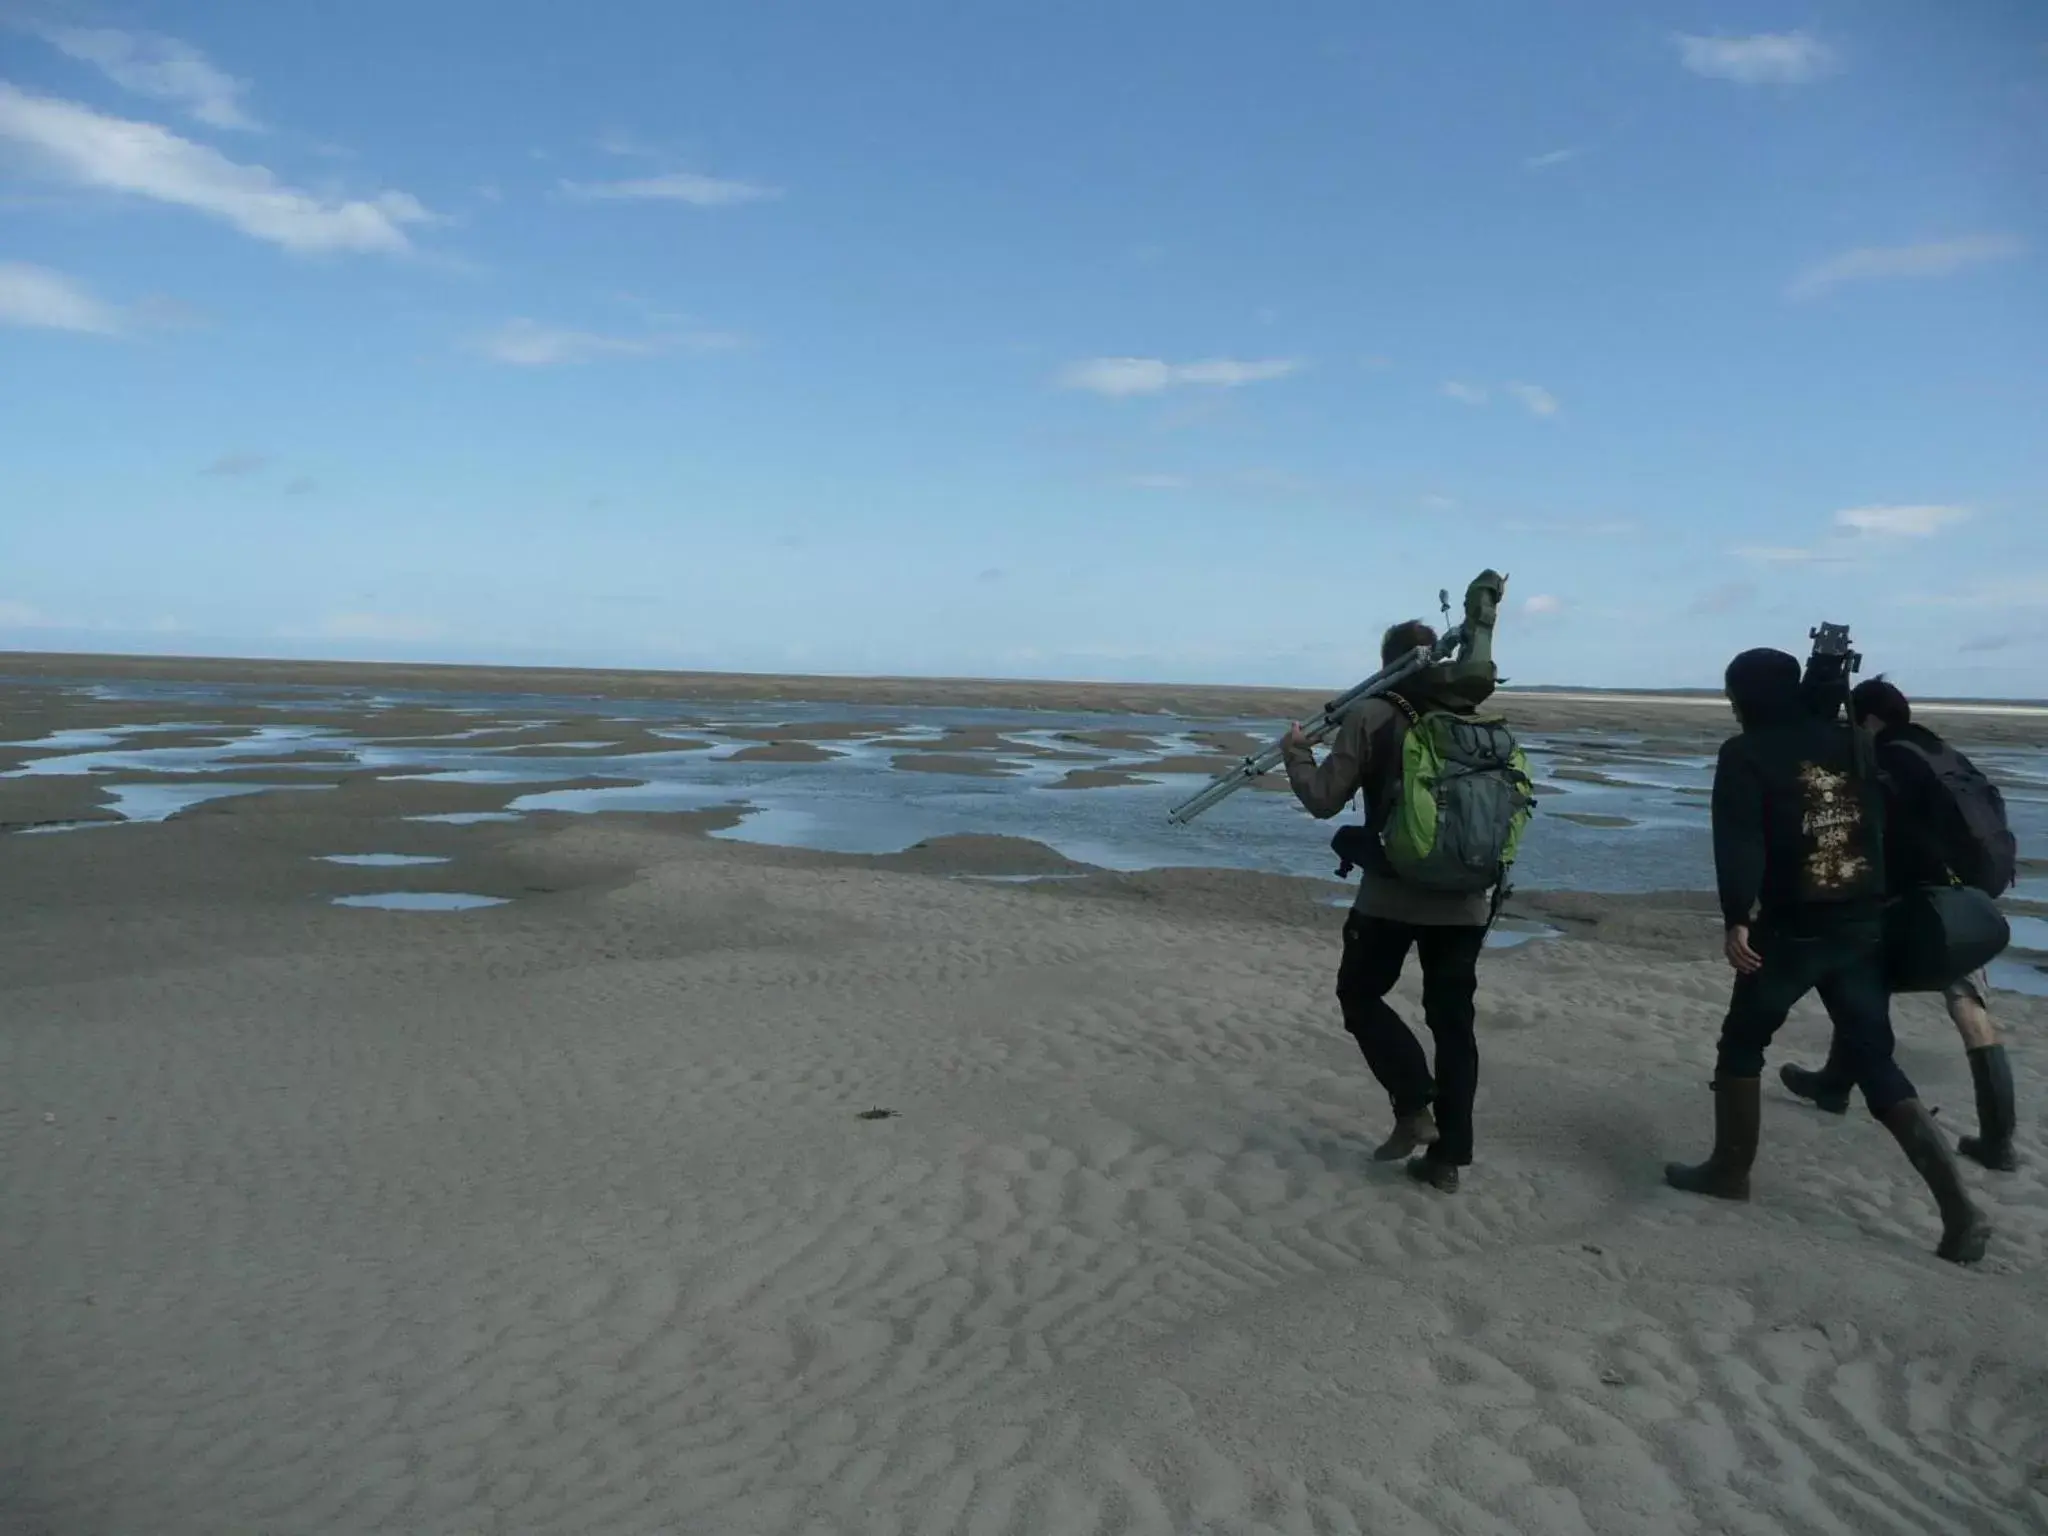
point(1447, 794)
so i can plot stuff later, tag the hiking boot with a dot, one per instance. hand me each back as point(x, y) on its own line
point(1991, 1073)
point(1410, 1132)
point(1442, 1177)
point(1738, 1113)
point(1814, 1086)
point(1964, 1231)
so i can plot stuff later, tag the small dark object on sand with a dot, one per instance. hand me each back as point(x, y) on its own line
point(878, 1114)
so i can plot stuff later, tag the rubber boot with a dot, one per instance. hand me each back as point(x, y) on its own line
point(1992, 1145)
point(1410, 1132)
point(1442, 1177)
point(1738, 1113)
point(1964, 1231)
point(1818, 1087)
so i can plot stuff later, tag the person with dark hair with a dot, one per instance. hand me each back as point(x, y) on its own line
point(1927, 784)
point(1798, 826)
point(1391, 916)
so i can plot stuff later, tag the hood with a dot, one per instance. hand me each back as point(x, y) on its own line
point(1763, 685)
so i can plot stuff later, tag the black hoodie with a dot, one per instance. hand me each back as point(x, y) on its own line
point(1798, 818)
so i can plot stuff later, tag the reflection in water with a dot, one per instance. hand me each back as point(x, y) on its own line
point(421, 901)
point(381, 860)
point(862, 804)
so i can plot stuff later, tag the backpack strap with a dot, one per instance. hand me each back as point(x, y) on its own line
point(1408, 711)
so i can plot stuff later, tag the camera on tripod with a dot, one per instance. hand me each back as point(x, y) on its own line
point(1825, 685)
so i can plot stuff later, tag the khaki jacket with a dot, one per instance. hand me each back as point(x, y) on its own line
point(1365, 758)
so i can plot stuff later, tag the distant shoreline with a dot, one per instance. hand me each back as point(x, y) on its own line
point(1189, 699)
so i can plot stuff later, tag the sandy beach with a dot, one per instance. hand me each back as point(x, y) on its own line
point(580, 1214)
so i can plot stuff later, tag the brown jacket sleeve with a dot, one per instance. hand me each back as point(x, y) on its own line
point(1326, 788)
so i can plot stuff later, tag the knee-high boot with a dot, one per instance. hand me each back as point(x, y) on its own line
point(1738, 1114)
point(1964, 1231)
point(1991, 1074)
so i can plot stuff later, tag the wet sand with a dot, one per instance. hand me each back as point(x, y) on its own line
point(562, 1216)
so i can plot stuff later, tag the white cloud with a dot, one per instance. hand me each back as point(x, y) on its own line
point(530, 344)
point(1554, 157)
point(1538, 400)
point(38, 297)
point(22, 616)
point(1120, 376)
point(1470, 394)
point(1934, 258)
point(675, 187)
point(1542, 603)
point(1905, 522)
point(1158, 482)
point(1767, 58)
point(161, 68)
point(74, 144)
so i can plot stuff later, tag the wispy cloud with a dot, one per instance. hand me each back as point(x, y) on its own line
point(675, 187)
point(1588, 528)
point(1537, 400)
point(1785, 554)
point(2026, 591)
point(234, 466)
point(39, 298)
point(1158, 482)
point(14, 615)
point(78, 146)
point(1764, 58)
point(1555, 157)
point(373, 626)
point(301, 487)
point(1121, 376)
point(1729, 597)
point(1469, 394)
point(1934, 258)
point(528, 343)
point(161, 68)
point(1900, 522)
point(1542, 603)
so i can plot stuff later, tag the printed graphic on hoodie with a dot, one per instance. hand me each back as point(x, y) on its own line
point(1831, 815)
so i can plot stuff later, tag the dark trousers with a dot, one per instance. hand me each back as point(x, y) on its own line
point(1375, 949)
point(1847, 970)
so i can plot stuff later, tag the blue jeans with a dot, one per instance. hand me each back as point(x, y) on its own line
point(1847, 970)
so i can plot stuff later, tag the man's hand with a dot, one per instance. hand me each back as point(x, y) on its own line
point(1296, 740)
point(1746, 961)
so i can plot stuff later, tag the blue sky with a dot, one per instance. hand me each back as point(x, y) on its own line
point(1142, 341)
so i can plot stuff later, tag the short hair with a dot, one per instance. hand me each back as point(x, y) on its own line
point(1878, 698)
point(1404, 637)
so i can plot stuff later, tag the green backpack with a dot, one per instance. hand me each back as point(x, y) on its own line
point(1465, 798)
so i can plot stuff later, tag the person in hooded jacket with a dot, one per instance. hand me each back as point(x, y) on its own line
point(1798, 825)
point(1913, 857)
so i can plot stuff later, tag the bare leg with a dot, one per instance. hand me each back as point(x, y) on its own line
point(1973, 1022)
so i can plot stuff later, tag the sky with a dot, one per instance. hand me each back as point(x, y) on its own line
point(1138, 341)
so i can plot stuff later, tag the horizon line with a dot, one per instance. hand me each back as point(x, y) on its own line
point(144, 662)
